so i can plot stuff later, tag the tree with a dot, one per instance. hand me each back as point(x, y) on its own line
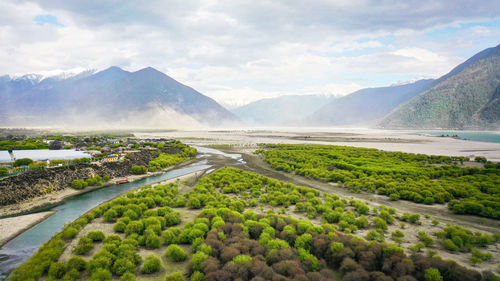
point(138, 170)
point(55, 145)
point(433, 274)
point(22, 162)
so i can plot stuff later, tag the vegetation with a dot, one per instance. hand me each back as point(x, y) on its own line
point(138, 170)
point(412, 177)
point(176, 253)
point(32, 143)
point(4, 171)
point(152, 264)
point(230, 241)
point(22, 162)
point(165, 160)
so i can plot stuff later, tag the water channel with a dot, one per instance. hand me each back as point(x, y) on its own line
point(25, 245)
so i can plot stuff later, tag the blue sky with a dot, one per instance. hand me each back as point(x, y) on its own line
point(240, 51)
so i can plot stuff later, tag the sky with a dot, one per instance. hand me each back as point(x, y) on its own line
point(241, 51)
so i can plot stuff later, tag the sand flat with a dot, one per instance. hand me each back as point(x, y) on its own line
point(11, 227)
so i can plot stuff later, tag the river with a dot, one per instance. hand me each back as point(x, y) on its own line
point(26, 244)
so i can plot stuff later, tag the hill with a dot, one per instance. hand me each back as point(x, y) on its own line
point(466, 98)
point(367, 106)
point(284, 110)
point(109, 98)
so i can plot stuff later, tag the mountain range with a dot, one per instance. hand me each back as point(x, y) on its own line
point(283, 110)
point(468, 97)
point(109, 98)
point(367, 106)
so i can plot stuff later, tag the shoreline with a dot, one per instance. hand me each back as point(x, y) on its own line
point(18, 225)
point(36, 204)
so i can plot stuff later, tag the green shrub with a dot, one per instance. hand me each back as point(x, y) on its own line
point(128, 277)
point(57, 270)
point(122, 266)
point(138, 170)
point(197, 276)
point(101, 274)
point(176, 253)
point(110, 215)
point(478, 257)
point(119, 227)
point(197, 259)
point(153, 241)
point(22, 162)
point(375, 235)
point(96, 235)
point(3, 171)
point(152, 264)
point(425, 238)
point(432, 274)
point(69, 232)
point(449, 245)
point(84, 246)
point(77, 262)
point(242, 259)
point(176, 276)
point(79, 184)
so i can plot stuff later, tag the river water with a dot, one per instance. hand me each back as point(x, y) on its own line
point(25, 245)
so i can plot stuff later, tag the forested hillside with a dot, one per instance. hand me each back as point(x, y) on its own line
point(469, 98)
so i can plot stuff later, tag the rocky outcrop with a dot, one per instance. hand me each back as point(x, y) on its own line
point(35, 183)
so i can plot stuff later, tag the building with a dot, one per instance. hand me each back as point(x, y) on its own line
point(113, 158)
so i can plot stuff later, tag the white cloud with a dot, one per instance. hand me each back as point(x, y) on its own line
point(239, 51)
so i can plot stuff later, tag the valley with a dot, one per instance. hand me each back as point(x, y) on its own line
point(236, 149)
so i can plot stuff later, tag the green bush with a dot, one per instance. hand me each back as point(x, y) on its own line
point(96, 235)
point(138, 170)
point(176, 276)
point(432, 274)
point(152, 264)
point(69, 232)
point(22, 162)
point(101, 274)
point(478, 257)
point(110, 215)
point(76, 262)
point(3, 171)
point(84, 246)
point(57, 270)
point(122, 266)
point(128, 277)
point(176, 253)
point(79, 184)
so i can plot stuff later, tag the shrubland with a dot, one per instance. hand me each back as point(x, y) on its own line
point(420, 178)
point(231, 240)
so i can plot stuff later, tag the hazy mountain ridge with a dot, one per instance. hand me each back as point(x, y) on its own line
point(113, 96)
point(466, 98)
point(283, 110)
point(367, 106)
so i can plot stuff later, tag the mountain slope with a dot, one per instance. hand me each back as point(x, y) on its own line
point(284, 110)
point(467, 97)
point(367, 106)
point(111, 97)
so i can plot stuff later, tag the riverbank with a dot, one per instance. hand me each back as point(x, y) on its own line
point(12, 227)
point(56, 197)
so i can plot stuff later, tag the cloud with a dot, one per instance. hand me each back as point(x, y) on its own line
point(237, 51)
